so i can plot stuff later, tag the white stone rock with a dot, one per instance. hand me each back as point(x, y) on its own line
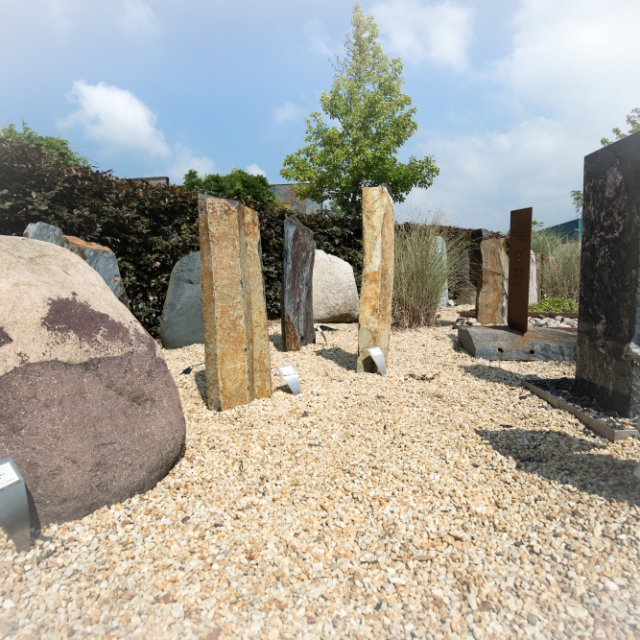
point(335, 294)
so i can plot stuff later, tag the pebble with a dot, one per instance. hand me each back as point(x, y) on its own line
point(436, 502)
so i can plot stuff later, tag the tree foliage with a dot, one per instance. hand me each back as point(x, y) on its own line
point(149, 228)
point(236, 185)
point(633, 120)
point(57, 149)
point(369, 120)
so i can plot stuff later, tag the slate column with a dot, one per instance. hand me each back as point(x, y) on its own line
point(609, 315)
point(377, 275)
point(296, 310)
point(238, 368)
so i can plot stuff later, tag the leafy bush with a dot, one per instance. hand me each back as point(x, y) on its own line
point(149, 228)
point(236, 185)
point(554, 305)
point(422, 272)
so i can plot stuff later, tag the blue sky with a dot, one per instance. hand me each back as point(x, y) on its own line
point(511, 95)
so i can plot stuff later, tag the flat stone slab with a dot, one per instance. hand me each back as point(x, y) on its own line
point(501, 343)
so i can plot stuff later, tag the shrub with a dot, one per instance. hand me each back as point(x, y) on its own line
point(149, 228)
point(421, 271)
point(560, 265)
point(554, 305)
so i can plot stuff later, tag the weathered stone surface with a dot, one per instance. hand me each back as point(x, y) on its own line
point(501, 343)
point(181, 323)
point(441, 248)
point(238, 367)
point(377, 275)
point(88, 408)
point(297, 286)
point(99, 258)
point(490, 272)
point(533, 279)
point(335, 293)
point(519, 263)
point(46, 233)
point(609, 315)
point(466, 291)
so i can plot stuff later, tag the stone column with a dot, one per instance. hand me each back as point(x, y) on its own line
point(490, 271)
point(533, 279)
point(609, 315)
point(519, 265)
point(441, 248)
point(377, 275)
point(297, 286)
point(236, 342)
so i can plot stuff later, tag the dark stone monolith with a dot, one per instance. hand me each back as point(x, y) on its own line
point(297, 286)
point(609, 315)
point(519, 265)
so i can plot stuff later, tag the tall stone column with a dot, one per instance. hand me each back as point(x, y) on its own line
point(609, 315)
point(297, 286)
point(490, 272)
point(377, 275)
point(236, 340)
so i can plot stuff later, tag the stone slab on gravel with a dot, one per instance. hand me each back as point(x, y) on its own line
point(500, 343)
point(438, 502)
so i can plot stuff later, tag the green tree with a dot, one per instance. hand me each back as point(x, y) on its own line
point(369, 120)
point(236, 185)
point(57, 149)
point(633, 120)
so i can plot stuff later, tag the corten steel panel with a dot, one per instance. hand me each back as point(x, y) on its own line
point(519, 264)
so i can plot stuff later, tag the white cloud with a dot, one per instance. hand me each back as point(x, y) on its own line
point(318, 38)
point(255, 170)
point(568, 79)
point(288, 111)
point(510, 170)
point(115, 118)
point(416, 31)
point(184, 159)
point(578, 57)
point(136, 18)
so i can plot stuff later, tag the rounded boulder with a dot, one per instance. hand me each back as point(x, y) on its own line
point(88, 408)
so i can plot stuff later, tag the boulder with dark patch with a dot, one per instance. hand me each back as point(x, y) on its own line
point(99, 258)
point(297, 286)
point(88, 408)
point(181, 323)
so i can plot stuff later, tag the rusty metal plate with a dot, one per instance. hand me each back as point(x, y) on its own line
point(519, 264)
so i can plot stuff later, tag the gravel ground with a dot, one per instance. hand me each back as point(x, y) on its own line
point(437, 502)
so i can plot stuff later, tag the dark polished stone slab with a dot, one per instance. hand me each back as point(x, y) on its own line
point(297, 282)
point(519, 266)
point(502, 343)
point(609, 277)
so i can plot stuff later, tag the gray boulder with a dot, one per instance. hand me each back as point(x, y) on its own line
point(181, 323)
point(335, 294)
point(99, 258)
point(88, 408)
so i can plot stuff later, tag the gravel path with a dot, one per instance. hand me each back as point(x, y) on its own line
point(437, 502)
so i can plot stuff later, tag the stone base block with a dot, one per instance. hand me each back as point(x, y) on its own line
point(501, 343)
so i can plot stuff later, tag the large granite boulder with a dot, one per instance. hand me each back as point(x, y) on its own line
point(88, 408)
point(99, 258)
point(181, 323)
point(335, 293)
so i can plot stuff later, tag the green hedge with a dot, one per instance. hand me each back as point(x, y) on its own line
point(148, 228)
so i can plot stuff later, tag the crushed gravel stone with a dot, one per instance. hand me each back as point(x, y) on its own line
point(438, 502)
